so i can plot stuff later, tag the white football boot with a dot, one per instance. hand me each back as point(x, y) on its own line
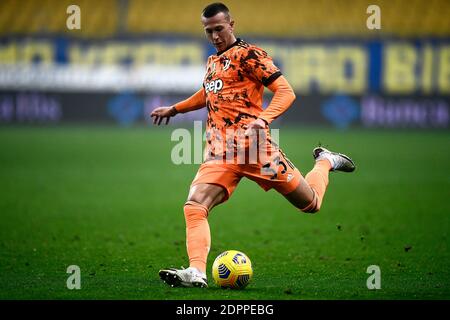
point(190, 277)
point(339, 161)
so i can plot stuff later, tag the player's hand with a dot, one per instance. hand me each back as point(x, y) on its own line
point(255, 125)
point(162, 113)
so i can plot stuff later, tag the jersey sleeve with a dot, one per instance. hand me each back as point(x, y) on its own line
point(281, 100)
point(258, 65)
point(194, 102)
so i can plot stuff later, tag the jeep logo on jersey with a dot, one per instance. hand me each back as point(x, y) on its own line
point(214, 86)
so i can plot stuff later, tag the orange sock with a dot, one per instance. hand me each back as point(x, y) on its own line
point(317, 179)
point(198, 236)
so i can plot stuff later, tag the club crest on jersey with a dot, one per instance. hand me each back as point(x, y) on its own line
point(226, 63)
point(214, 86)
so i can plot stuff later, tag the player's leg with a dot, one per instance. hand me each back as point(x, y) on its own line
point(213, 185)
point(302, 196)
point(202, 198)
point(207, 194)
point(309, 193)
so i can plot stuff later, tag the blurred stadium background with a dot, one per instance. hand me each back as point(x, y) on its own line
point(86, 179)
point(132, 55)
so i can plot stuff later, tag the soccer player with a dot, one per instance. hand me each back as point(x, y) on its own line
point(232, 91)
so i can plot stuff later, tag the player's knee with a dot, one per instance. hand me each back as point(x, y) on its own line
point(312, 210)
point(313, 207)
point(206, 195)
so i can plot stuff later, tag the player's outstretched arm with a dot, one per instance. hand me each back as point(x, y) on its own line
point(196, 101)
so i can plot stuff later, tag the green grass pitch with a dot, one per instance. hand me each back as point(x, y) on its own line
point(110, 201)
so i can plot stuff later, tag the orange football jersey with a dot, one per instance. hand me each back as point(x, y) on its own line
point(234, 86)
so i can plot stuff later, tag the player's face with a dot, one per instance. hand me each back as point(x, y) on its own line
point(219, 31)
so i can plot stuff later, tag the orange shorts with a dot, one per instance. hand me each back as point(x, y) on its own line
point(279, 174)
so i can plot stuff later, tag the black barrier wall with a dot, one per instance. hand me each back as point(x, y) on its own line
point(131, 108)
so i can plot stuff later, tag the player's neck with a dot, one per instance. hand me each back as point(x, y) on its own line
point(233, 43)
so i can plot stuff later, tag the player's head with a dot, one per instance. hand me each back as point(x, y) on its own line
point(218, 25)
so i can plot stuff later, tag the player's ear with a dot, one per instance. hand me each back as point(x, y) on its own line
point(232, 25)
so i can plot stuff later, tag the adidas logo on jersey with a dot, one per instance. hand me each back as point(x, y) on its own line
point(214, 86)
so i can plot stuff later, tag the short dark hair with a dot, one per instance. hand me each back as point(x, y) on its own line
point(214, 8)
